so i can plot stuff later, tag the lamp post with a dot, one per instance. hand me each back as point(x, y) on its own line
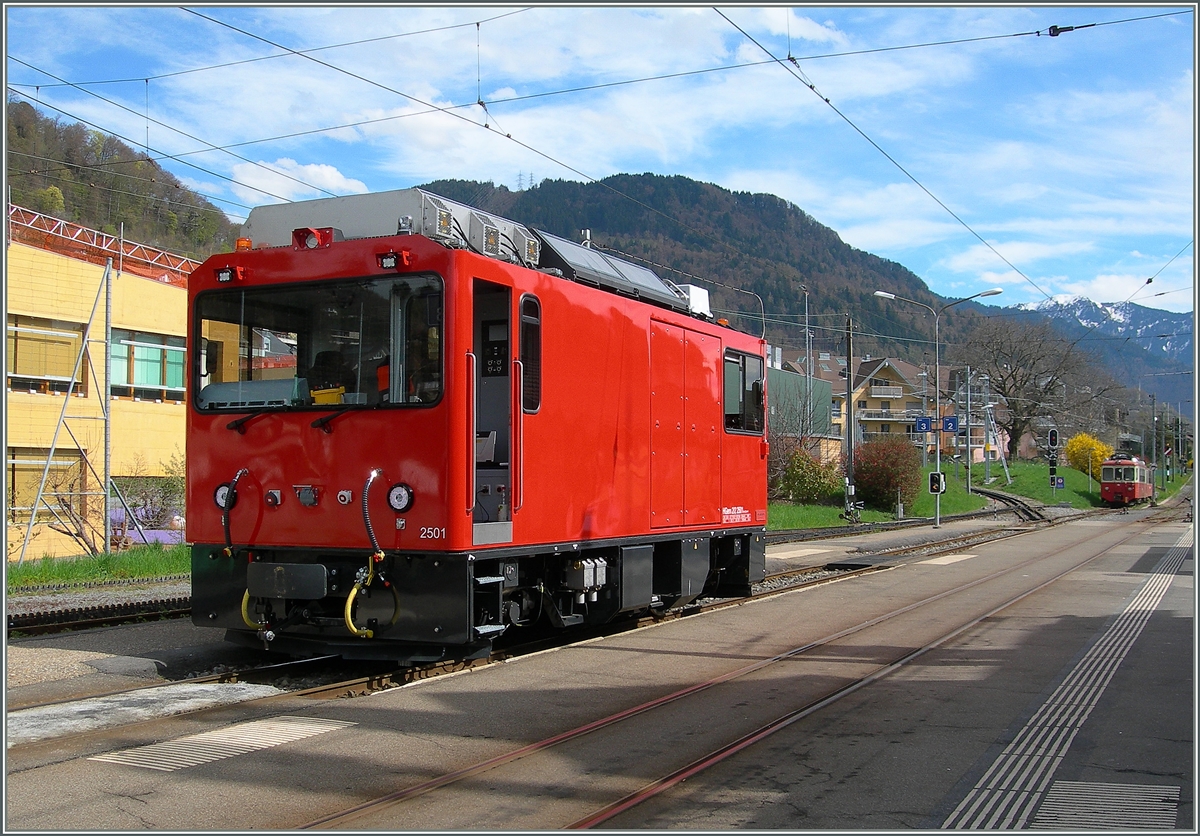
point(937, 375)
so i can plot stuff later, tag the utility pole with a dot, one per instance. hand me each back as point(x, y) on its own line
point(1153, 447)
point(849, 414)
point(987, 430)
point(969, 457)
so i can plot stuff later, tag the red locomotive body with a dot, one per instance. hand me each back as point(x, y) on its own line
point(1125, 480)
point(401, 445)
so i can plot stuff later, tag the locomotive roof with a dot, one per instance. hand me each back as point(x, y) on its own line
point(594, 267)
point(457, 225)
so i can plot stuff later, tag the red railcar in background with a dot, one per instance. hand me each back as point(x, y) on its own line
point(1125, 480)
point(414, 426)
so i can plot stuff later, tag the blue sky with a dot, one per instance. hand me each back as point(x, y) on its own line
point(1072, 157)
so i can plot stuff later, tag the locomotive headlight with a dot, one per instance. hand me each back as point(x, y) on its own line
point(400, 497)
point(225, 496)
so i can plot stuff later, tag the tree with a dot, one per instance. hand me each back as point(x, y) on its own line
point(808, 481)
point(1086, 452)
point(1036, 374)
point(886, 468)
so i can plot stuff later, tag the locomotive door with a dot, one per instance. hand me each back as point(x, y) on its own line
point(492, 341)
point(685, 427)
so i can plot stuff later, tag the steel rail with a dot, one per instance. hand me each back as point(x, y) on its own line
point(711, 759)
point(343, 817)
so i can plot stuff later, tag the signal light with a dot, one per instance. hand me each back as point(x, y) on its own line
point(243, 244)
point(937, 482)
point(1053, 438)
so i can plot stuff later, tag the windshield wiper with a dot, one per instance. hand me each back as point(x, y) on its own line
point(323, 423)
point(240, 423)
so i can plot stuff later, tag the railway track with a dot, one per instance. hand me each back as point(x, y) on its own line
point(595, 808)
point(69, 618)
point(1022, 508)
point(328, 672)
point(380, 676)
point(382, 809)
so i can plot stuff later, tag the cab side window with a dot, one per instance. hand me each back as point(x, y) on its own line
point(744, 392)
point(531, 354)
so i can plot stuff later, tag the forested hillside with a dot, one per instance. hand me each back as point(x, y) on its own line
point(757, 242)
point(86, 177)
point(685, 230)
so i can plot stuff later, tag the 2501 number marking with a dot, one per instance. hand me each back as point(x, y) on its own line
point(428, 533)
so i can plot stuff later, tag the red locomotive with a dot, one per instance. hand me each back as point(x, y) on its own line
point(1124, 480)
point(414, 425)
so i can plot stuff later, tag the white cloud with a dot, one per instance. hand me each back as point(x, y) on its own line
point(1018, 252)
point(1074, 152)
point(289, 180)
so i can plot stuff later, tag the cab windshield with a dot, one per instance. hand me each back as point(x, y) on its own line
point(357, 342)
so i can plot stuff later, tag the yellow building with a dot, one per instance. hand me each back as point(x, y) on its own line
point(55, 295)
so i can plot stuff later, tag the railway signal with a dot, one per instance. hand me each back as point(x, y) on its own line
point(937, 483)
point(1053, 439)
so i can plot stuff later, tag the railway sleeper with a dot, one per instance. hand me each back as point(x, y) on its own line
point(415, 608)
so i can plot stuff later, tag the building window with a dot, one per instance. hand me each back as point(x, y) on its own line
point(531, 354)
point(42, 354)
point(885, 428)
point(885, 405)
point(147, 366)
point(744, 402)
point(66, 483)
point(862, 404)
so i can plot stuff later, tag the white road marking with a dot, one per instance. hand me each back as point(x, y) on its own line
point(946, 559)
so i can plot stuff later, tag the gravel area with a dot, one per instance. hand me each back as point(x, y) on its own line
point(68, 598)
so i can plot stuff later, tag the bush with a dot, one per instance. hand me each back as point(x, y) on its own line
point(884, 467)
point(1084, 449)
point(807, 481)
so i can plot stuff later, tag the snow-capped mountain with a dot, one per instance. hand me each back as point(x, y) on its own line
point(1141, 347)
point(1163, 333)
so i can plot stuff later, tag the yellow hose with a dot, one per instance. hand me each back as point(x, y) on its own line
point(365, 634)
point(253, 625)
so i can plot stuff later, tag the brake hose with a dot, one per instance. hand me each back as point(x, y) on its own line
point(376, 557)
point(230, 498)
point(378, 553)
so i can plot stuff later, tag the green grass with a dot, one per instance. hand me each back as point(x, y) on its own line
point(139, 562)
point(955, 500)
point(781, 515)
point(1032, 480)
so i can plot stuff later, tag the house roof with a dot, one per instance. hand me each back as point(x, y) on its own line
point(831, 368)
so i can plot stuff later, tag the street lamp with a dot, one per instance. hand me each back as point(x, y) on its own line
point(937, 375)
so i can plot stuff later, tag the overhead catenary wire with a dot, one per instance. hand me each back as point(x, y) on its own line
point(50, 173)
point(773, 60)
point(227, 64)
point(164, 155)
point(181, 132)
point(799, 75)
